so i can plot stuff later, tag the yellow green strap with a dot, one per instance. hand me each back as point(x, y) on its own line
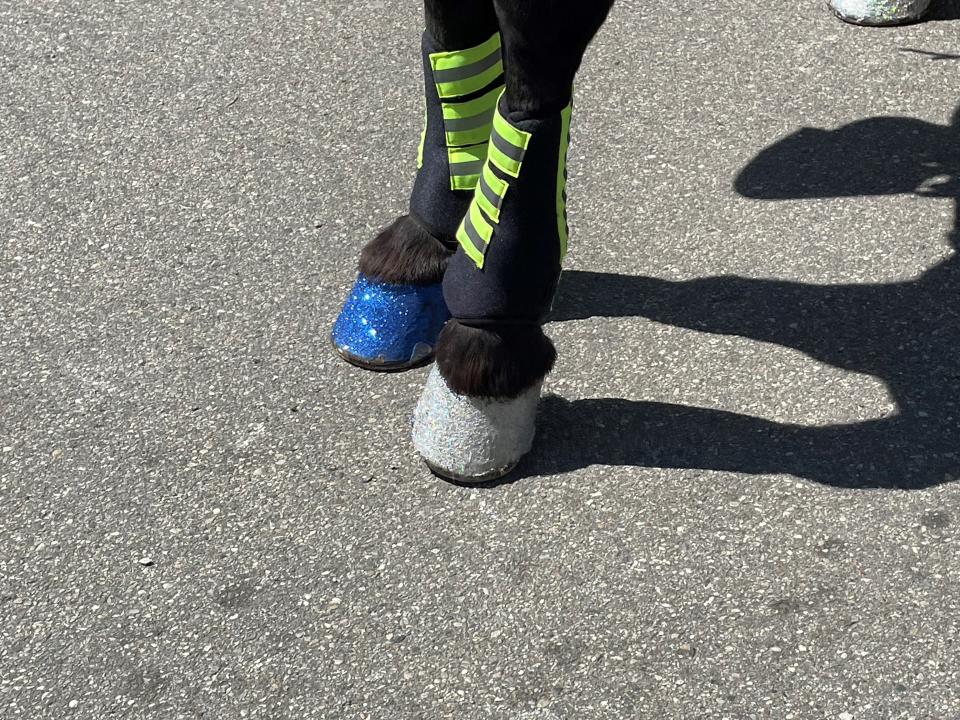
point(470, 122)
point(467, 124)
point(562, 229)
point(515, 136)
point(423, 140)
point(474, 234)
point(461, 72)
point(466, 164)
point(490, 193)
point(507, 145)
point(506, 150)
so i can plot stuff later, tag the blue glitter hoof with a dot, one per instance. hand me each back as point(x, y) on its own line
point(389, 327)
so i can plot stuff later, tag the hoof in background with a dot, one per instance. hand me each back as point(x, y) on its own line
point(879, 12)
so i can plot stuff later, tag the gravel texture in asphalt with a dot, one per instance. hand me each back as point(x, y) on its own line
point(742, 501)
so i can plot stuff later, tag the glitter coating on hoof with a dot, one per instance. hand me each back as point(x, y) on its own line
point(389, 327)
point(469, 439)
point(879, 12)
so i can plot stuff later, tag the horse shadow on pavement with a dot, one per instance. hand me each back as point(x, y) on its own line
point(907, 334)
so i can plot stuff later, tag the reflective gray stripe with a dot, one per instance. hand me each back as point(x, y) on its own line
point(469, 123)
point(506, 147)
point(466, 168)
point(489, 193)
point(474, 236)
point(467, 71)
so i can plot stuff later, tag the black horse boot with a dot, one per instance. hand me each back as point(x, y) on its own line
point(475, 419)
point(396, 309)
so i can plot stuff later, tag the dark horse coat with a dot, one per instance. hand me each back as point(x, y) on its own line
point(492, 226)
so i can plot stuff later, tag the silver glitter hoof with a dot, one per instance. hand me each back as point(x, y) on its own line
point(469, 439)
point(879, 12)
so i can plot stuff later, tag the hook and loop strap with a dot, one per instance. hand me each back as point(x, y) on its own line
point(469, 122)
point(475, 234)
point(508, 145)
point(563, 230)
point(504, 161)
point(461, 72)
point(505, 151)
point(466, 164)
point(469, 83)
point(490, 193)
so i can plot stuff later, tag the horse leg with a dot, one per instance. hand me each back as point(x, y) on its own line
point(475, 418)
point(394, 313)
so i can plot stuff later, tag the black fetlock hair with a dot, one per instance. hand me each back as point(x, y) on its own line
point(405, 253)
point(497, 361)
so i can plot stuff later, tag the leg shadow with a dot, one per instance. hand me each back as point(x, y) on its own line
point(906, 334)
point(612, 431)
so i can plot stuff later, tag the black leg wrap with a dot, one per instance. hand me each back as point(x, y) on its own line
point(515, 279)
point(495, 361)
point(416, 248)
point(435, 202)
point(500, 283)
point(405, 253)
point(476, 417)
point(513, 239)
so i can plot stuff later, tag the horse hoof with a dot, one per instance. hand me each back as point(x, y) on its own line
point(472, 440)
point(879, 12)
point(389, 327)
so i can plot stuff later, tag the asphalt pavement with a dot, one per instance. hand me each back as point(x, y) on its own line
point(743, 501)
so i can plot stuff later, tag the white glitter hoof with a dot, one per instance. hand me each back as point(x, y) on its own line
point(879, 12)
point(469, 439)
